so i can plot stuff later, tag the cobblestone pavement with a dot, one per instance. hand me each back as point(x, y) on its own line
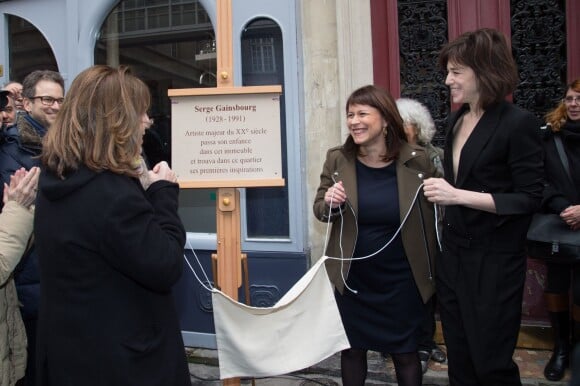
point(205, 371)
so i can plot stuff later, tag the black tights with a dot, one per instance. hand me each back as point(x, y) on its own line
point(353, 368)
point(408, 369)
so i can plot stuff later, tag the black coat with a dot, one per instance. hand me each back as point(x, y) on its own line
point(481, 272)
point(109, 255)
point(560, 192)
point(503, 157)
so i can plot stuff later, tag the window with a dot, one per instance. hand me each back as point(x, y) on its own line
point(29, 50)
point(169, 44)
point(262, 54)
point(267, 209)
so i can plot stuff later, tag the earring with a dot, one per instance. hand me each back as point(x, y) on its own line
point(385, 131)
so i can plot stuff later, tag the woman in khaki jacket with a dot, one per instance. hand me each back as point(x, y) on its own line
point(15, 230)
point(367, 187)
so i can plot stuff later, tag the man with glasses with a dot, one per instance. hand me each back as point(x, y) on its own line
point(43, 94)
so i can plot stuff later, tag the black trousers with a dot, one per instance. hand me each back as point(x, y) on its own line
point(428, 327)
point(480, 294)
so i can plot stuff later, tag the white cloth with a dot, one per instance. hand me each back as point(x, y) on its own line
point(303, 328)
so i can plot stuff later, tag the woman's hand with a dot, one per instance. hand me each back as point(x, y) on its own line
point(335, 196)
point(571, 216)
point(162, 171)
point(439, 191)
point(143, 173)
point(22, 188)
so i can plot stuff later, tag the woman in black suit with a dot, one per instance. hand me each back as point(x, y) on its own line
point(492, 185)
point(110, 242)
point(562, 196)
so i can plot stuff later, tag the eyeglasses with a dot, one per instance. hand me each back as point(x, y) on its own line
point(49, 101)
point(571, 99)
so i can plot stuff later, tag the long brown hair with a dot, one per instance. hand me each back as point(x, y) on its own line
point(557, 117)
point(381, 100)
point(98, 124)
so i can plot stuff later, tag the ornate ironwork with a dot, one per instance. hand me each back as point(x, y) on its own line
point(203, 298)
point(539, 47)
point(422, 33)
point(264, 295)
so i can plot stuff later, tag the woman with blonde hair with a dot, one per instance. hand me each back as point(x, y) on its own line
point(110, 243)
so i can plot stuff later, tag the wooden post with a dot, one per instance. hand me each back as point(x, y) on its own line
point(224, 44)
point(229, 241)
point(228, 205)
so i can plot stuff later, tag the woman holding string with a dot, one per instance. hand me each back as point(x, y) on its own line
point(369, 187)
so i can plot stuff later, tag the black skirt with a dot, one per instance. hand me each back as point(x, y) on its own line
point(386, 312)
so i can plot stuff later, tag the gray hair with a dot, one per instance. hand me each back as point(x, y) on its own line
point(415, 113)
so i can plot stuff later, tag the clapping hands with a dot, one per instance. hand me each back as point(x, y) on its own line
point(22, 187)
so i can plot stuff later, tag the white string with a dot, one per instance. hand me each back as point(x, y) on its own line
point(437, 231)
point(340, 236)
point(388, 242)
point(342, 259)
point(210, 289)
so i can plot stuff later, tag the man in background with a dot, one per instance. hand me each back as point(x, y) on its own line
point(15, 89)
point(8, 112)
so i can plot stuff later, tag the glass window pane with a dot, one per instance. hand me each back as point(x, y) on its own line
point(157, 2)
point(267, 209)
point(157, 17)
point(183, 14)
point(133, 20)
point(140, 33)
point(28, 49)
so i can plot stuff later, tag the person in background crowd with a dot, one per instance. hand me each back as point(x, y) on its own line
point(8, 112)
point(110, 243)
point(562, 196)
point(366, 187)
point(15, 230)
point(15, 89)
point(492, 186)
point(420, 129)
point(43, 93)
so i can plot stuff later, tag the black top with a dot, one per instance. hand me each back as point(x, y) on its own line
point(385, 313)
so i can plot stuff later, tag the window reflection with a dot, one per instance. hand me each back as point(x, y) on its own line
point(267, 209)
point(170, 44)
point(29, 50)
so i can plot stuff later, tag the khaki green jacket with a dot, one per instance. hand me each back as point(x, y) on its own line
point(15, 229)
point(419, 239)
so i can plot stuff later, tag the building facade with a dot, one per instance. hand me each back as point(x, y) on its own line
point(318, 51)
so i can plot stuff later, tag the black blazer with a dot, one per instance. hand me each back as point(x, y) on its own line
point(109, 255)
point(502, 156)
